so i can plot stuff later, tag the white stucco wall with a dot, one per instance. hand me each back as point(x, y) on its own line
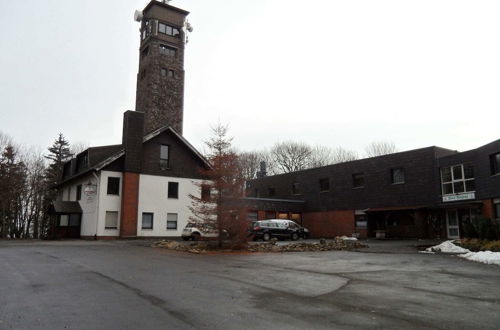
point(153, 198)
point(108, 203)
point(88, 202)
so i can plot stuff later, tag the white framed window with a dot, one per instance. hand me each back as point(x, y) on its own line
point(457, 179)
point(171, 221)
point(111, 220)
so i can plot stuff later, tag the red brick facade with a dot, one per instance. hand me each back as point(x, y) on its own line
point(329, 223)
point(130, 203)
point(488, 211)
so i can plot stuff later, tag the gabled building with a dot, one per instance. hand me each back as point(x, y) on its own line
point(141, 187)
point(429, 192)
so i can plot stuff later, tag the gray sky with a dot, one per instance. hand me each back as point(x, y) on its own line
point(336, 73)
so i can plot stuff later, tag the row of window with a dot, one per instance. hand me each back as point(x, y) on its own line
point(457, 179)
point(164, 50)
point(111, 220)
point(358, 181)
point(113, 187)
point(162, 28)
point(169, 73)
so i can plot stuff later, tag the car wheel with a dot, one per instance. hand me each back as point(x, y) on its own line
point(195, 236)
point(295, 236)
point(266, 237)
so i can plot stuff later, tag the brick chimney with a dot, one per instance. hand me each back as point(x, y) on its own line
point(133, 127)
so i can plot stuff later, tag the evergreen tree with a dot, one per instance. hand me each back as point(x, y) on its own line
point(222, 209)
point(59, 152)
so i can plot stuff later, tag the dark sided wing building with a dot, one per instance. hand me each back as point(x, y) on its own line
point(422, 193)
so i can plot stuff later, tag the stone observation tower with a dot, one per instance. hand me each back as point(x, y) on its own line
point(160, 80)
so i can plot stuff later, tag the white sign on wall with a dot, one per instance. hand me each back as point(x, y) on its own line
point(459, 197)
point(90, 192)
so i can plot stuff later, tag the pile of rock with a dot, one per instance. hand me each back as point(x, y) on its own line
point(323, 245)
point(271, 246)
point(194, 247)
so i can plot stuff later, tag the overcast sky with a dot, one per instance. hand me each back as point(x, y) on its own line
point(336, 73)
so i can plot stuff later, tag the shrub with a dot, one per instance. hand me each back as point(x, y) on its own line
point(482, 228)
point(492, 246)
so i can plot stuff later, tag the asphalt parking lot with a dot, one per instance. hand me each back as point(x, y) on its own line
point(128, 285)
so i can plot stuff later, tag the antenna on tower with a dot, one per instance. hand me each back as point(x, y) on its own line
point(188, 28)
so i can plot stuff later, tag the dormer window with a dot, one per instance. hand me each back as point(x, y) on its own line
point(164, 157)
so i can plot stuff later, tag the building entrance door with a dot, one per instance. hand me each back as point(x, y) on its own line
point(452, 224)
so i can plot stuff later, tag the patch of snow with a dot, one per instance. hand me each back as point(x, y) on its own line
point(429, 252)
point(447, 247)
point(346, 238)
point(486, 257)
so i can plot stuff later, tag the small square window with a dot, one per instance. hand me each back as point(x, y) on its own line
point(64, 220)
point(324, 184)
point(296, 188)
point(397, 175)
point(173, 190)
point(163, 72)
point(358, 180)
point(172, 221)
point(111, 220)
point(113, 186)
point(147, 220)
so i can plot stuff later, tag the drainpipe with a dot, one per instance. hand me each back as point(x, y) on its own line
point(98, 188)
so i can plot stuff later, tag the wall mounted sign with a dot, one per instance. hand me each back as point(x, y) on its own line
point(459, 197)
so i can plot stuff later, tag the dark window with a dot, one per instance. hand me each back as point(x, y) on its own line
point(296, 188)
point(495, 163)
point(205, 193)
point(398, 175)
point(173, 190)
point(145, 52)
point(496, 206)
point(111, 220)
point(324, 184)
point(252, 216)
point(167, 50)
point(358, 180)
point(164, 157)
point(270, 215)
point(74, 220)
point(271, 192)
point(168, 30)
point(256, 192)
point(167, 73)
point(147, 220)
point(79, 192)
point(113, 186)
point(171, 220)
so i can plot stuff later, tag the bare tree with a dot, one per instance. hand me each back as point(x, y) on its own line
point(249, 163)
point(379, 148)
point(78, 147)
point(341, 155)
point(291, 156)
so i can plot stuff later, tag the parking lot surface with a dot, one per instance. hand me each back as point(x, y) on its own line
point(128, 285)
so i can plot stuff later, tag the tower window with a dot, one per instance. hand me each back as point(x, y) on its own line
point(169, 51)
point(168, 30)
point(167, 73)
